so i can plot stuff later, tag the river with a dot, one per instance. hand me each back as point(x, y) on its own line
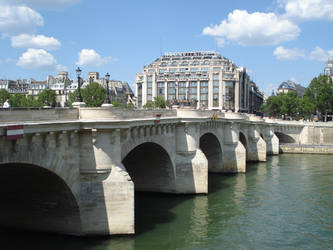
point(284, 203)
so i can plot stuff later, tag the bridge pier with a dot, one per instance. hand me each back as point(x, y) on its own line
point(107, 191)
point(234, 153)
point(190, 163)
point(272, 141)
point(256, 145)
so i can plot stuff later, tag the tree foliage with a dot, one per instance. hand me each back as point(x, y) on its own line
point(49, 95)
point(158, 102)
point(317, 99)
point(4, 95)
point(93, 94)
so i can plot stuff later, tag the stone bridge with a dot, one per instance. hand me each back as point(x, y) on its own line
point(75, 170)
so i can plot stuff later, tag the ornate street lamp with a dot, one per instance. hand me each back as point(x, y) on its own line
point(78, 97)
point(107, 98)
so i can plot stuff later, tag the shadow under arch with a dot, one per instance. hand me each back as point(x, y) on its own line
point(150, 167)
point(34, 198)
point(243, 140)
point(211, 147)
point(283, 138)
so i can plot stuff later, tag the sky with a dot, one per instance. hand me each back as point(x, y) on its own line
point(276, 40)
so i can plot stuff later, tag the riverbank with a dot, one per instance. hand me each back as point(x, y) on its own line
point(306, 149)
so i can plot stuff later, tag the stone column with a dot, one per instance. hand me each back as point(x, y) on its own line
point(272, 141)
point(234, 153)
point(256, 145)
point(236, 96)
point(191, 164)
point(107, 191)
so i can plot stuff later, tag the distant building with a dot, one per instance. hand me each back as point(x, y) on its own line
point(256, 98)
point(328, 71)
point(290, 86)
point(203, 79)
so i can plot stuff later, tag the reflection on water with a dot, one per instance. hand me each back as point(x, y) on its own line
point(285, 203)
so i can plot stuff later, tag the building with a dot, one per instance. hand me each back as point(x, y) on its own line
point(290, 86)
point(256, 98)
point(201, 79)
point(328, 71)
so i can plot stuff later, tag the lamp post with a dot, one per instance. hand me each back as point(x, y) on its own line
point(79, 100)
point(79, 96)
point(107, 101)
point(47, 103)
point(107, 98)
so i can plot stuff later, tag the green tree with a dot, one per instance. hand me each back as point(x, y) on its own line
point(116, 104)
point(4, 95)
point(48, 94)
point(130, 106)
point(149, 105)
point(17, 100)
point(159, 102)
point(320, 92)
point(30, 102)
point(93, 94)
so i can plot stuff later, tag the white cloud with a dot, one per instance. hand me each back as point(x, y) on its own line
point(8, 60)
point(254, 29)
point(309, 9)
point(288, 54)
point(42, 4)
point(37, 59)
point(89, 57)
point(60, 67)
point(320, 54)
point(220, 42)
point(18, 19)
point(31, 41)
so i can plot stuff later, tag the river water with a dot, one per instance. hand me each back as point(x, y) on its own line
point(285, 203)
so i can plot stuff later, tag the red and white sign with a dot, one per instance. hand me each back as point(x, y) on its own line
point(15, 132)
point(158, 118)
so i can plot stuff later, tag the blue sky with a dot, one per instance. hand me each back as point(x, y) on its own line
point(275, 40)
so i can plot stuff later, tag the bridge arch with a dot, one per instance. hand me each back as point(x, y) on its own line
point(243, 139)
point(284, 138)
point(35, 198)
point(211, 147)
point(150, 167)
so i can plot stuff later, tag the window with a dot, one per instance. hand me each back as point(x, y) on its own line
point(206, 62)
point(163, 64)
point(193, 84)
point(194, 69)
point(216, 77)
point(161, 71)
point(174, 63)
point(216, 68)
point(204, 84)
point(149, 85)
point(182, 84)
point(149, 78)
point(216, 83)
point(195, 63)
point(205, 69)
point(184, 63)
point(151, 70)
point(173, 70)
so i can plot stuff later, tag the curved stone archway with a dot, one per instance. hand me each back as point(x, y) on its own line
point(283, 138)
point(211, 147)
point(243, 140)
point(150, 167)
point(35, 198)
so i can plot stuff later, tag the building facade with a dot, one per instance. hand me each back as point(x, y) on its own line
point(290, 86)
point(329, 68)
point(204, 79)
